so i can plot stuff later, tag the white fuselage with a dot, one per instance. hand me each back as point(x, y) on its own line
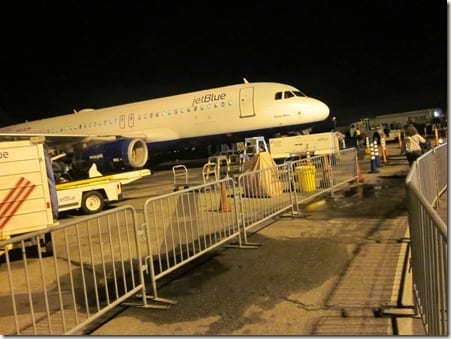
point(123, 136)
point(222, 110)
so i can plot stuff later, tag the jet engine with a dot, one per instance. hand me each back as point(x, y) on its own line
point(116, 155)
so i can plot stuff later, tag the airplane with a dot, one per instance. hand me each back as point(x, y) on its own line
point(122, 137)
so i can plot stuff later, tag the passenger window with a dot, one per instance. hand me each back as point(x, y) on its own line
point(278, 96)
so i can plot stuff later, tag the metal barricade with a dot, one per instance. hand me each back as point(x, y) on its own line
point(428, 233)
point(431, 173)
point(95, 263)
point(323, 173)
point(264, 193)
point(184, 225)
point(87, 268)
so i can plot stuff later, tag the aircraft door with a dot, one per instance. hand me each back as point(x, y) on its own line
point(247, 102)
point(131, 120)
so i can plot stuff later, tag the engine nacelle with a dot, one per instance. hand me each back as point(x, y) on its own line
point(116, 155)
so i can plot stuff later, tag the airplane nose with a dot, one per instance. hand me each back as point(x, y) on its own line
point(321, 109)
point(317, 110)
point(312, 110)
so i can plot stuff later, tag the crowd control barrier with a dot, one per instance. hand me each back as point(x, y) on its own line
point(322, 173)
point(264, 193)
point(182, 226)
point(91, 265)
point(85, 269)
point(426, 181)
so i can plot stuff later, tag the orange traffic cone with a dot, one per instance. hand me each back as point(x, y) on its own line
point(224, 205)
point(436, 136)
point(400, 140)
point(359, 174)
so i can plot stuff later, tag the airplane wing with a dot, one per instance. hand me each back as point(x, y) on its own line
point(58, 139)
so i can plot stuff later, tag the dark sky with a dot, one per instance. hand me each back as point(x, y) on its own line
point(362, 58)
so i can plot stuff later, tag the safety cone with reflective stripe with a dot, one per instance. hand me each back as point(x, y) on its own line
point(373, 163)
point(224, 205)
point(359, 174)
point(436, 136)
point(376, 154)
point(384, 150)
point(367, 148)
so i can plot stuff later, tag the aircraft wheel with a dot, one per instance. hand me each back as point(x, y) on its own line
point(92, 202)
point(48, 244)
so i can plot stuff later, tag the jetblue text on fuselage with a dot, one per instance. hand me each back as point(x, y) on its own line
point(208, 98)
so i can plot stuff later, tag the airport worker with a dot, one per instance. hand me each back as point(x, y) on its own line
point(412, 142)
point(358, 137)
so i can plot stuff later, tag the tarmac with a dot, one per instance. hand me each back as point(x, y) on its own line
point(339, 268)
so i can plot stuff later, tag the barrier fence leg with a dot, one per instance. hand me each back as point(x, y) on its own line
point(243, 243)
point(165, 303)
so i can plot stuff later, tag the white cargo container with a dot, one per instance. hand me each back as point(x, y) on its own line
point(298, 145)
point(25, 200)
point(29, 198)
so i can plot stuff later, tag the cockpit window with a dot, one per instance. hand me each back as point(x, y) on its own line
point(288, 94)
point(299, 94)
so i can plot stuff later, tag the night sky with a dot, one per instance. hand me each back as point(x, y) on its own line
point(362, 58)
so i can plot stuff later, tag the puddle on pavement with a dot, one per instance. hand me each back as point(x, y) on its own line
point(386, 198)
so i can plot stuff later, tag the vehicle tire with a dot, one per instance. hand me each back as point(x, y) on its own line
point(92, 202)
point(48, 244)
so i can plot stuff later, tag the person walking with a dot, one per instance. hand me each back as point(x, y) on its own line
point(358, 138)
point(412, 142)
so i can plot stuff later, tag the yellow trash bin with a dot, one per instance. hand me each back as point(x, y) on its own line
point(306, 177)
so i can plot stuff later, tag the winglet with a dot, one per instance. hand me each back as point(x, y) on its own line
point(245, 81)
